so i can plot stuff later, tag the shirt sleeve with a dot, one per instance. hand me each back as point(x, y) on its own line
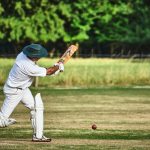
point(35, 70)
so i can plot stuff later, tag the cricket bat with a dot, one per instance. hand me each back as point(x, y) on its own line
point(68, 53)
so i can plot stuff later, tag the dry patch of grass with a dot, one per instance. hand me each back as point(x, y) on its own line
point(122, 118)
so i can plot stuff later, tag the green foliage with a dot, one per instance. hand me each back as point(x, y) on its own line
point(80, 20)
point(30, 21)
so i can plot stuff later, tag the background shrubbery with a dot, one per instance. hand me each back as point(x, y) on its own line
point(100, 27)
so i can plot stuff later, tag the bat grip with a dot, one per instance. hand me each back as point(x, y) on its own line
point(61, 60)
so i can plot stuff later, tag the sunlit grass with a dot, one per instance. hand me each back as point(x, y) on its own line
point(91, 72)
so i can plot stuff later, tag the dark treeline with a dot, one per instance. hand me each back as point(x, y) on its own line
point(100, 27)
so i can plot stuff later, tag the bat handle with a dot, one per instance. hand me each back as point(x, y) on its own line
point(61, 60)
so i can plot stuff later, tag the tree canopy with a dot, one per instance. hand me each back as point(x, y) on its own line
point(93, 22)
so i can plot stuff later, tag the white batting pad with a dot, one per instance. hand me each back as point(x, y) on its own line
point(39, 115)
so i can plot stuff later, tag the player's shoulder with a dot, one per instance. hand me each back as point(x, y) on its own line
point(23, 61)
point(20, 57)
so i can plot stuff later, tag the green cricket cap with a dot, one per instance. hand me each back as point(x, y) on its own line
point(35, 51)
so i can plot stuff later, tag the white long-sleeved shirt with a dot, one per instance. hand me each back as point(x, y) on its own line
point(23, 71)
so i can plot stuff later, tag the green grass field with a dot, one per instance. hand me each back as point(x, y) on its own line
point(122, 116)
point(91, 72)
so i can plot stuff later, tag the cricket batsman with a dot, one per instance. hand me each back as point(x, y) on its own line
point(16, 89)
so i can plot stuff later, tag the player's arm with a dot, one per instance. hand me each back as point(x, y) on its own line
point(58, 67)
point(51, 70)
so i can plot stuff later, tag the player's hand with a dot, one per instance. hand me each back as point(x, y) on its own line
point(56, 73)
point(61, 66)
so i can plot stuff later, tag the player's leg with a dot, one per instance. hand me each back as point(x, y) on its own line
point(36, 107)
point(28, 101)
point(11, 101)
point(39, 120)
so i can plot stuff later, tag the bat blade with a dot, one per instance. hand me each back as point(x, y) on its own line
point(67, 55)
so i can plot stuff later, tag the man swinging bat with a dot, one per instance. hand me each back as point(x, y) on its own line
point(16, 88)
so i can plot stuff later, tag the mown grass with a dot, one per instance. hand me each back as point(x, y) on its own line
point(121, 116)
point(105, 134)
point(91, 72)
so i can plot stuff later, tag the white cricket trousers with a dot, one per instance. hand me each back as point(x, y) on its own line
point(12, 98)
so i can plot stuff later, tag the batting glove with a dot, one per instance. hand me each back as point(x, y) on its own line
point(61, 66)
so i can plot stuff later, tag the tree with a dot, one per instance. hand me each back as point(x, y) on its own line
point(89, 23)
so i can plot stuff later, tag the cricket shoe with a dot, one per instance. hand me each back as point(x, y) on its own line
point(43, 139)
point(5, 122)
point(11, 121)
